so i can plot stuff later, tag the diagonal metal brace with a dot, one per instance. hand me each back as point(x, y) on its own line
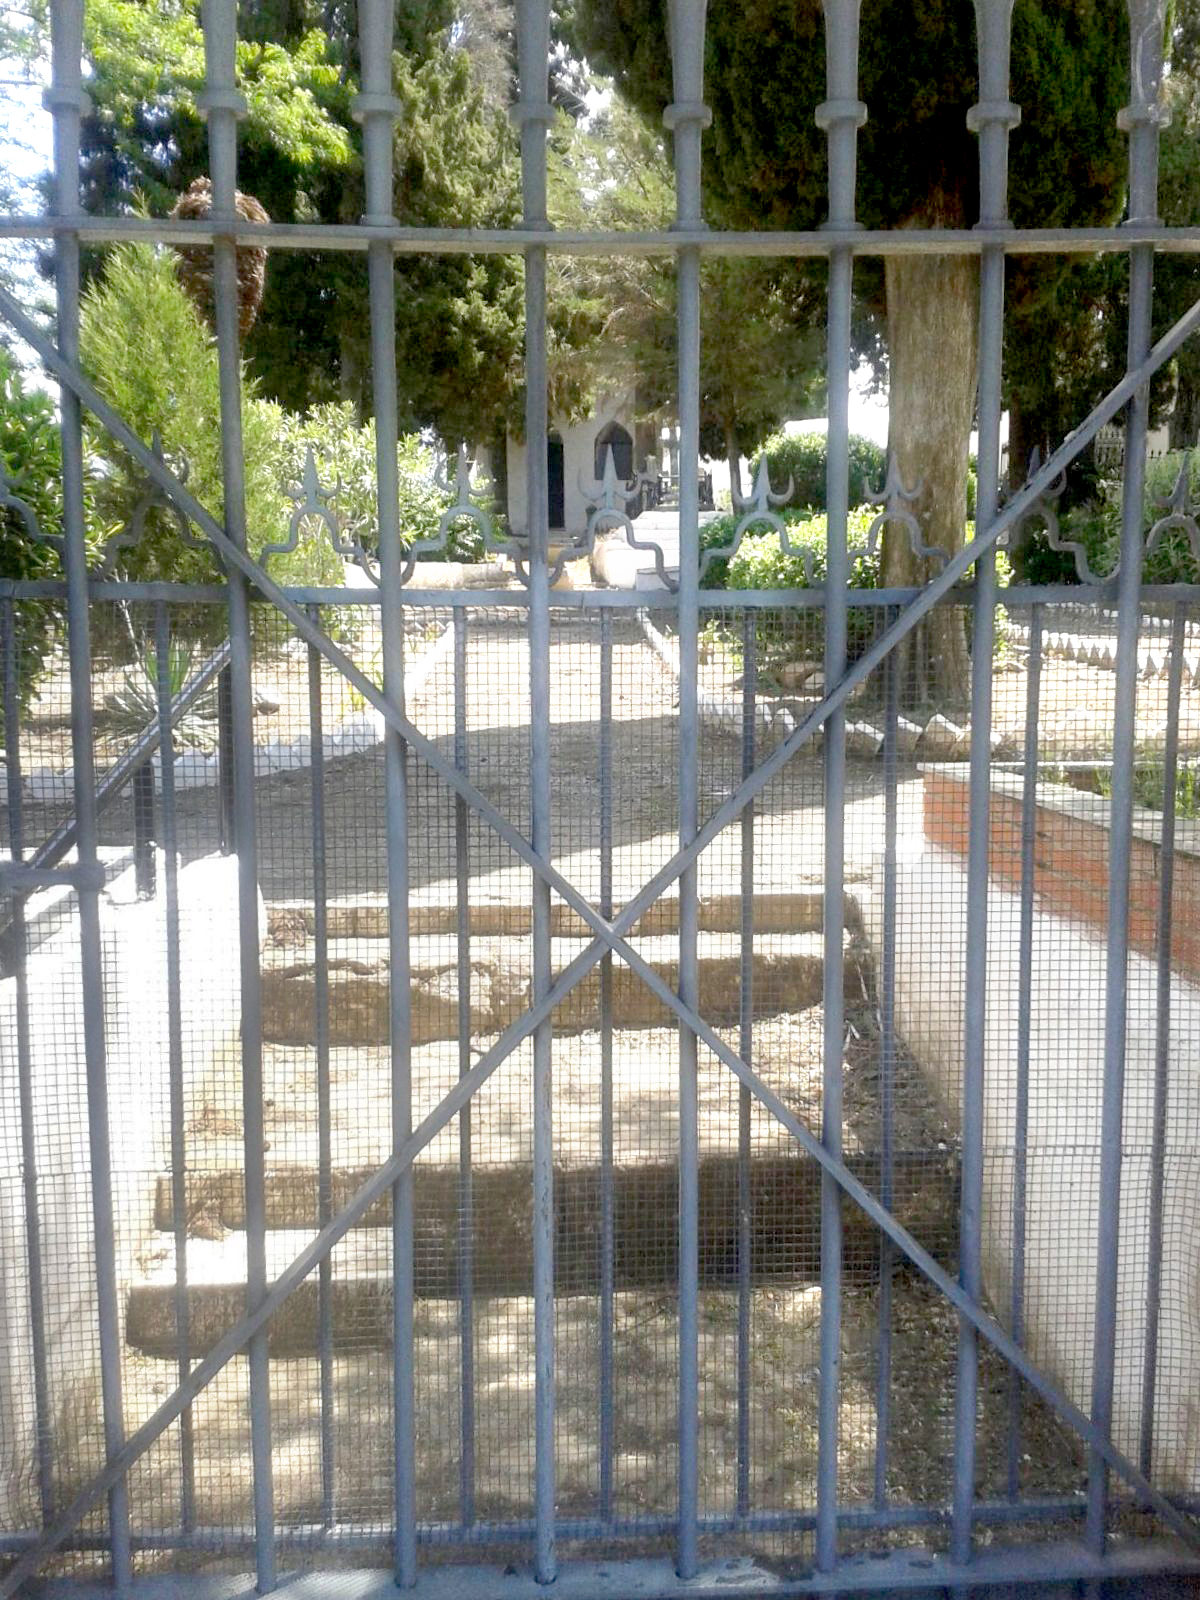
point(609, 936)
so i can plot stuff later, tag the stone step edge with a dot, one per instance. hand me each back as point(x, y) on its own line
point(787, 974)
point(785, 1219)
point(775, 911)
point(216, 1200)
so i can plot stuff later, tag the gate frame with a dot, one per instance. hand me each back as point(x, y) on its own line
point(840, 115)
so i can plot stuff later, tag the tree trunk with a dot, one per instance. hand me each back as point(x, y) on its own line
point(932, 304)
point(734, 457)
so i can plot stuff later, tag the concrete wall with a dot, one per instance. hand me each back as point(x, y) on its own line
point(136, 1034)
point(1065, 1083)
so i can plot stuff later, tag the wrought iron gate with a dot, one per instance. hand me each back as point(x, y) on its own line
point(980, 1528)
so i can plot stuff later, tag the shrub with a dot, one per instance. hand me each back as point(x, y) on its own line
point(152, 358)
point(31, 458)
point(761, 562)
point(802, 455)
point(345, 454)
point(1097, 528)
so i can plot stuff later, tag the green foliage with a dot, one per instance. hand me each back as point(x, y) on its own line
point(1097, 528)
point(1150, 787)
point(345, 456)
point(31, 460)
point(802, 456)
point(459, 319)
point(760, 562)
point(134, 706)
point(614, 320)
point(150, 356)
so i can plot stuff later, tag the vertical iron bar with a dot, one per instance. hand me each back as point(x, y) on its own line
point(166, 752)
point(320, 890)
point(222, 106)
point(143, 831)
point(745, 1050)
point(18, 935)
point(1033, 700)
point(1142, 118)
point(840, 115)
point(533, 115)
point(887, 1068)
point(991, 119)
point(68, 102)
point(687, 117)
point(466, 1183)
point(1162, 1031)
point(228, 843)
point(377, 108)
point(607, 1213)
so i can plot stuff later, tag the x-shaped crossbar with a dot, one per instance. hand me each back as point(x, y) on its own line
point(609, 937)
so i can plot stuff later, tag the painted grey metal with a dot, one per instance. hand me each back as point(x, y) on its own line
point(377, 109)
point(745, 1238)
point(170, 848)
point(533, 115)
point(841, 115)
point(16, 936)
point(887, 1073)
point(901, 1571)
point(1142, 118)
point(1020, 1220)
point(992, 117)
point(605, 1397)
point(67, 103)
point(316, 726)
point(686, 118)
point(878, 242)
point(1164, 927)
point(222, 105)
point(466, 1181)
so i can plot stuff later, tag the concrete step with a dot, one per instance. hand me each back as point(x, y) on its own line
point(292, 922)
point(788, 975)
point(784, 1207)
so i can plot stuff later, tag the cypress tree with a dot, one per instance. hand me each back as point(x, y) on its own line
point(765, 167)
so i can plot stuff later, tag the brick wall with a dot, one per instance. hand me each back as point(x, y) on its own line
point(1071, 854)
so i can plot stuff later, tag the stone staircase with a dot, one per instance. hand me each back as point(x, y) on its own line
point(313, 1169)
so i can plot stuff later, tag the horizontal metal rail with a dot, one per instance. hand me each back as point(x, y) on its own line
point(652, 242)
point(1024, 595)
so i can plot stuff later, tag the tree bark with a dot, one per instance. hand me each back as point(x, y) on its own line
point(932, 305)
point(734, 458)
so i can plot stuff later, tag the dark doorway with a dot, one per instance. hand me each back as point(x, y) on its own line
point(554, 473)
point(621, 442)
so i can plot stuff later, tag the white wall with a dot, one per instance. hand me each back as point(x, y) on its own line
point(136, 1038)
point(1066, 1073)
point(579, 443)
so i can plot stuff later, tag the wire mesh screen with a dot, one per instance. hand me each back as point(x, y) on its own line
point(588, 1021)
point(177, 1109)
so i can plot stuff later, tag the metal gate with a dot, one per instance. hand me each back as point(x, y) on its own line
point(1048, 1210)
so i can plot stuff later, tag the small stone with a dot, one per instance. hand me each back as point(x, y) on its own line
point(908, 736)
point(797, 674)
point(863, 740)
point(939, 738)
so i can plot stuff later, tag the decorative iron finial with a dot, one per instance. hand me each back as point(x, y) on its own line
point(897, 499)
point(463, 505)
point(758, 513)
point(153, 498)
point(1181, 512)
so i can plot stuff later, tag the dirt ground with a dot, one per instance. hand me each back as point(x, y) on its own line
point(620, 782)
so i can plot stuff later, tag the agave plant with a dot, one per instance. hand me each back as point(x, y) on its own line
point(134, 706)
